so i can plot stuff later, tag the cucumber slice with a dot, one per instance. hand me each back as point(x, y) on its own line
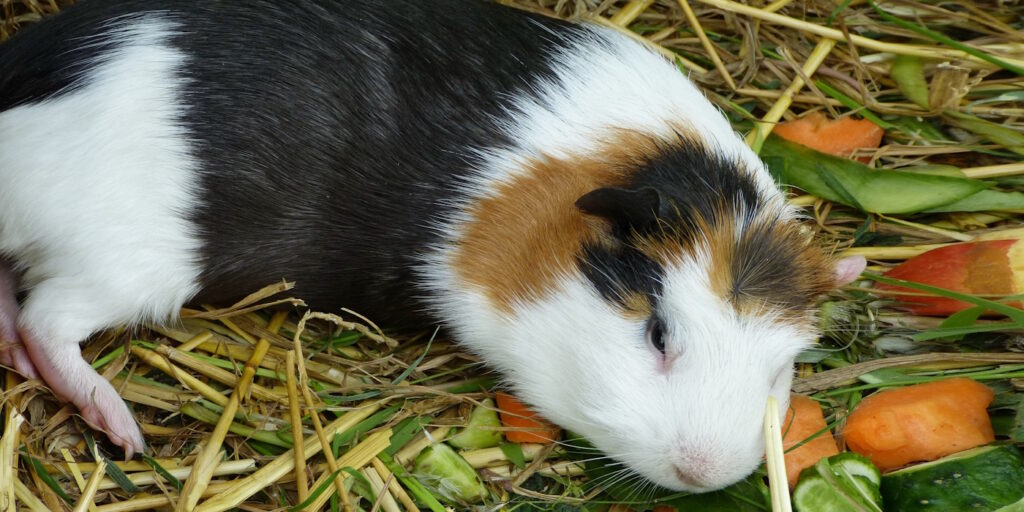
point(982, 479)
point(483, 430)
point(856, 464)
point(1017, 506)
point(814, 494)
point(440, 468)
point(844, 482)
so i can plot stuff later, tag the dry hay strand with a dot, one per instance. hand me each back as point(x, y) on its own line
point(241, 405)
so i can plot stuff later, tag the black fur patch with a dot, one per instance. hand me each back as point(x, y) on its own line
point(328, 166)
point(331, 134)
point(695, 184)
point(48, 59)
point(771, 266)
point(617, 272)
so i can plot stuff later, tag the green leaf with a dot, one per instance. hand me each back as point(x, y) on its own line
point(360, 484)
point(984, 201)
point(196, 411)
point(115, 473)
point(1015, 314)
point(951, 171)
point(854, 184)
point(908, 73)
point(320, 489)
point(942, 38)
point(961, 319)
point(414, 486)
point(514, 452)
point(160, 470)
point(915, 127)
point(364, 426)
point(402, 376)
point(1008, 137)
point(448, 473)
point(120, 478)
point(749, 495)
point(836, 184)
point(47, 478)
point(852, 104)
point(405, 431)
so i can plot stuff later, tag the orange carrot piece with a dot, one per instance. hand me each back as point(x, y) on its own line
point(986, 267)
point(803, 420)
point(840, 137)
point(920, 423)
point(525, 426)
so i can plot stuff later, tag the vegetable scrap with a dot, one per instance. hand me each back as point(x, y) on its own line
point(840, 137)
point(523, 425)
point(805, 437)
point(922, 422)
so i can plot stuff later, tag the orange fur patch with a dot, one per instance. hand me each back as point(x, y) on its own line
point(528, 233)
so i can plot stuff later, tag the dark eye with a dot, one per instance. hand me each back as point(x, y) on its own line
point(656, 334)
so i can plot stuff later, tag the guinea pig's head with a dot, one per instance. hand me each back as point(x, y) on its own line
point(689, 295)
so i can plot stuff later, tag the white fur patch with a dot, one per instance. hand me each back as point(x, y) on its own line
point(96, 184)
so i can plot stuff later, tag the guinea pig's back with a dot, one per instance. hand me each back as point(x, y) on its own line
point(315, 141)
point(357, 141)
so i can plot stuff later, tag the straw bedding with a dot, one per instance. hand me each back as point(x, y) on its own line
point(328, 373)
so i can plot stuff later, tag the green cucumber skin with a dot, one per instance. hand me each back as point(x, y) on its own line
point(985, 481)
point(439, 467)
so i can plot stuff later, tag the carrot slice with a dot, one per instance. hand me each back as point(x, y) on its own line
point(987, 267)
point(803, 420)
point(840, 137)
point(922, 422)
point(524, 425)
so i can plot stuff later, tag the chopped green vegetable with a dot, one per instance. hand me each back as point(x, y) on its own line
point(854, 184)
point(936, 170)
point(843, 482)
point(986, 200)
point(855, 464)
point(440, 468)
point(1009, 138)
point(1017, 506)
point(983, 478)
point(483, 430)
point(908, 73)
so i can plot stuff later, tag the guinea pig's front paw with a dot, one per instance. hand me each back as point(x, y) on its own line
point(61, 366)
point(13, 355)
point(110, 415)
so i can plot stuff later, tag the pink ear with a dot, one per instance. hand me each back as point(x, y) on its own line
point(848, 269)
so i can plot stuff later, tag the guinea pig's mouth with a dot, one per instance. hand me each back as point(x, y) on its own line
point(695, 472)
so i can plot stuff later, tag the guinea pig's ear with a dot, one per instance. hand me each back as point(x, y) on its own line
point(848, 269)
point(624, 208)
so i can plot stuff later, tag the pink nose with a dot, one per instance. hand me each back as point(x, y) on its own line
point(695, 468)
point(692, 475)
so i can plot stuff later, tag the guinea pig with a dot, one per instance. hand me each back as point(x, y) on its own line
point(562, 199)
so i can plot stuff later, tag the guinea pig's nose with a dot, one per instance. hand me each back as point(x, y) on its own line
point(690, 476)
point(695, 470)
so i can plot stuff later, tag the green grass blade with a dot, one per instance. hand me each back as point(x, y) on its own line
point(47, 478)
point(853, 105)
point(942, 38)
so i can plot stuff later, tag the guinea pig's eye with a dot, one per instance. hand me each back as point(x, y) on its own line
point(656, 334)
